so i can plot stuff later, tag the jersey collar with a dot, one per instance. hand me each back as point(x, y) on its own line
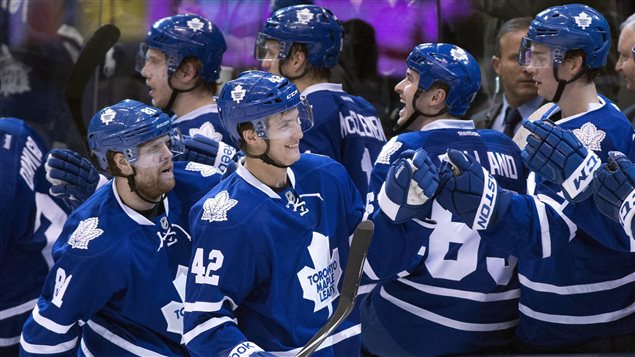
point(252, 180)
point(134, 215)
point(449, 124)
point(333, 87)
point(208, 108)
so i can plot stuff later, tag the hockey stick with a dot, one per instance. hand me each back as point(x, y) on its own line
point(352, 276)
point(89, 58)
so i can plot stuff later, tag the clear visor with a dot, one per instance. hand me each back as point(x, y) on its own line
point(267, 49)
point(287, 124)
point(158, 151)
point(536, 55)
point(141, 58)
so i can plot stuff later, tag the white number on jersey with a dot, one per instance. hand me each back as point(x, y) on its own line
point(204, 273)
point(61, 283)
point(453, 251)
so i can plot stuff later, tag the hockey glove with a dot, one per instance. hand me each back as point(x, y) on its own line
point(73, 178)
point(469, 191)
point(557, 155)
point(411, 181)
point(614, 190)
point(247, 348)
point(201, 149)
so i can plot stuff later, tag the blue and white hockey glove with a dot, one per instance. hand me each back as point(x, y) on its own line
point(411, 181)
point(201, 149)
point(557, 155)
point(614, 190)
point(73, 178)
point(469, 191)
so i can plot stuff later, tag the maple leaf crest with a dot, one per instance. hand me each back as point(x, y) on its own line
point(215, 209)
point(207, 130)
point(590, 136)
point(458, 54)
point(238, 93)
point(583, 20)
point(195, 24)
point(205, 170)
point(388, 150)
point(107, 116)
point(84, 233)
point(304, 16)
point(319, 283)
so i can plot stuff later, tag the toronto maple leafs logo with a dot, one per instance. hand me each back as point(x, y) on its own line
point(391, 147)
point(215, 209)
point(174, 311)
point(590, 136)
point(583, 20)
point(205, 170)
point(319, 283)
point(195, 24)
point(207, 130)
point(84, 233)
point(275, 79)
point(304, 16)
point(458, 54)
point(238, 93)
point(108, 116)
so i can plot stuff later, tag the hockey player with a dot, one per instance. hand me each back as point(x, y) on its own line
point(122, 258)
point(270, 241)
point(180, 60)
point(302, 43)
point(27, 232)
point(576, 288)
point(461, 296)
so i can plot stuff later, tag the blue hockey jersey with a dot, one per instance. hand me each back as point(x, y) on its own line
point(204, 121)
point(577, 283)
point(119, 278)
point(347, 129)
point(246, 241)
point(30, 220)
point(461, 295)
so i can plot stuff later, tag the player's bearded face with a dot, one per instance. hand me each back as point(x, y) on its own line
point(155, 168)
point(285, 132)
point(406, 90)
point(155, 71)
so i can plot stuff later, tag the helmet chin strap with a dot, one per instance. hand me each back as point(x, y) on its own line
point(175, 91)
point(562, 83)
point(133, 188)
point(266, 158)
point(398, 129)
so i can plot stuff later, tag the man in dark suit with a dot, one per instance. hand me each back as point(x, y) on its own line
point(518, 98)
point(625, 64)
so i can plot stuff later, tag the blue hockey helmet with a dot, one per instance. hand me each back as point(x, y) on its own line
point(314, 26)
point(569, 27)
point(125, 126)
point(254, 97)
point(183, 36)
point(449, 64)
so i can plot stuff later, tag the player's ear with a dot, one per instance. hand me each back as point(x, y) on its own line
point(439, 96)
point(496, 63)
point(122, 164)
